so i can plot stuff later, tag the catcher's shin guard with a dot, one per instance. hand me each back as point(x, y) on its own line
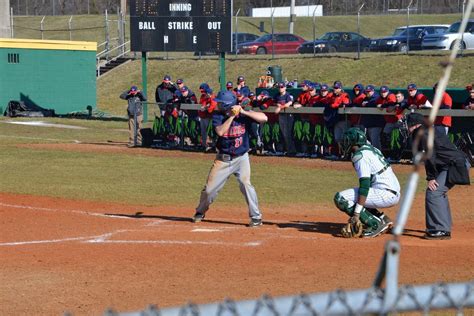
point(365, 216)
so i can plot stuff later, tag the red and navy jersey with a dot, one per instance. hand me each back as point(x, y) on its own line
point(419, 100)
point(303, 98)
point(236, 141)
point(208, 105)
point(339, 100)
point(264, 104)
point(447, 104)
point(356, 101)
point(313, 102)
point(385, 103)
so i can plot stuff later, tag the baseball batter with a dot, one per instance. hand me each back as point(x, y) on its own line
point(232, 125)
point(378, 185)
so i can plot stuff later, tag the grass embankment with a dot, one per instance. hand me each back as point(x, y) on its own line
point(146, 179)
point(393, 70)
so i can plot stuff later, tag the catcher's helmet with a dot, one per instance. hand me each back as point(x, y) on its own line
point(353, 137)
point(225, 99)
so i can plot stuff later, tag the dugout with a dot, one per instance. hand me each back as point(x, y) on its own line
point(58, 75)
point(459, 96)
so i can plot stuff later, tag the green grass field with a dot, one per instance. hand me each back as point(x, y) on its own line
point(145, 179)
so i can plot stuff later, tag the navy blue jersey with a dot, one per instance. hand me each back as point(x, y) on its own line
point(244, 91)
point(283, 99)
point(372, 120)
point(236, 141)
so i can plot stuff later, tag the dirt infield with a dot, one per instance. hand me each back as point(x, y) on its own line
point(61, 255)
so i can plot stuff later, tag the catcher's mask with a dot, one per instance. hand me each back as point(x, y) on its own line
point(352, 137)
point(225, 100)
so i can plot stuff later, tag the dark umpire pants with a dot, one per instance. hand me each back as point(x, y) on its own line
point(438, 212)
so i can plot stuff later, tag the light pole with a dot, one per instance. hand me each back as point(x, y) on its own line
point(314, 31)
point(236, 31)
point(358, 30)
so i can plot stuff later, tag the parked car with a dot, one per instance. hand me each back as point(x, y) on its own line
point(446, 41)
point(398, 41)
point(336, 42)
point(283, 43)
point(237, 38)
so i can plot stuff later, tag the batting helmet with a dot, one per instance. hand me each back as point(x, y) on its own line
point(353, 137)
point(226, 100)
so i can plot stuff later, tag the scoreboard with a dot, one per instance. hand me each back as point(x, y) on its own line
point(181, 25)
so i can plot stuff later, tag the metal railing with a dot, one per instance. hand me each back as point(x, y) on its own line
point(123, 50)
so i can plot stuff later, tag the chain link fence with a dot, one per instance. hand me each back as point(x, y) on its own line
point(455, 297)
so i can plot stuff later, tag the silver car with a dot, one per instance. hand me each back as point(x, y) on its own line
point(446, 41)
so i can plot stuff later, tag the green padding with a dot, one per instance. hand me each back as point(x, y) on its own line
point(276, 133)
point(266, 133)
point(298, 130)
point(306, 137)
point(364, 186)
point(395, 139)
point(159, 126)
point(318, 135)
point(365, 216)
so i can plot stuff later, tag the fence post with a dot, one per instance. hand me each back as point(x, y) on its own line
point(314, 31)
point(107, 39)
point(70, 28)
point(41, 27)
point(358, 30)
point(236, 31)
point(11, 22)
point(408, 26)
point(273, 35)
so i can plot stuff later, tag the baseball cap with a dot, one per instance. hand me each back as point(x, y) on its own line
point(133, 88)
point(265, 93)
point(179, 81)
point(306, 83)
point(324, 87)
point(240, 78)
point(384, 89)
point(414, 119)
point(469, 87)
point(227, 98)
point(166, 78)
point(411, 87)
point(229, 84)
point(281, 85)
point(337, 85)
point(369, 88)
point(184, 89)
point(311, 86)
point(251, 95)
point(359, 87)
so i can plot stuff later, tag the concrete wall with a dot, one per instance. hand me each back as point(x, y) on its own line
point(5, 31)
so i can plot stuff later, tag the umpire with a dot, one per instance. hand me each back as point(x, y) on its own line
point(134, 98)
point(446, 167)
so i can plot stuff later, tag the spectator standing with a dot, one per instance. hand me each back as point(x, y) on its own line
point(443, 123)
point(357, 100)
point(208, 105)
point(284, 100)
point(340, 99)
point(372, 123)
point(469, 103)
point(417, 100)
point(241, 86)
point(134, 99)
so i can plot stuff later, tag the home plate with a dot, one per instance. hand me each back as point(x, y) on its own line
point(205, 230)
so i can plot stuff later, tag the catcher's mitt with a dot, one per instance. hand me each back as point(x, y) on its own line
point(352, 229)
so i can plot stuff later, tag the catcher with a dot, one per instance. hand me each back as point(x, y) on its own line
point(378, 188)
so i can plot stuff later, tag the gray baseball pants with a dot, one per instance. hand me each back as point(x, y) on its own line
point(438, 212)
point(218, 176)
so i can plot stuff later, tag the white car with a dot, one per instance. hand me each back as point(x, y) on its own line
point(446, 41)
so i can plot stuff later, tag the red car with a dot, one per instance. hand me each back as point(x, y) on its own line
point(284, 43)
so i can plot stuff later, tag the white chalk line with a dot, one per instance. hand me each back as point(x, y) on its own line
point(46, 209)
point(41, 138)
point(62, 240)
point(179, 242)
